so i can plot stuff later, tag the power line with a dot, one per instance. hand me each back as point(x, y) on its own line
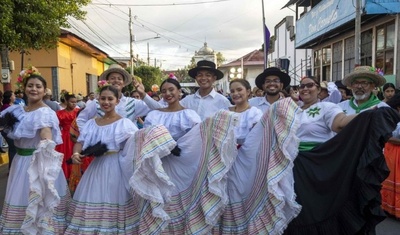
point(159, 5)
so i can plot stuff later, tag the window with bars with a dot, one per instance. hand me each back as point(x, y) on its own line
point(337, 61)
point(317, 64)
point(349, 59)
point(385, 39)
point(326, 63)
point(366, 48)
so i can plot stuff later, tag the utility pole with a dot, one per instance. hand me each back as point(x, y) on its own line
point(357, 35)
point(131, 39)
point(148, 55)
point(264, 31)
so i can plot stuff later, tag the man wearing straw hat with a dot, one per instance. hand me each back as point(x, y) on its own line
point(127, 107)
point(362, 82)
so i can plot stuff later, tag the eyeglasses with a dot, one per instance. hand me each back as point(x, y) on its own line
point(308, 85)
point(362, 84)
point(276, 81)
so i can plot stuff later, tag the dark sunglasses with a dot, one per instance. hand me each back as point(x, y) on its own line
point(308, 85)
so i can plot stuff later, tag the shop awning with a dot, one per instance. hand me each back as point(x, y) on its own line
point(301, 3)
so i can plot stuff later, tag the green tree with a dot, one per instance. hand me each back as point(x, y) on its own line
point(149, 75)
point(220, 59)
point(27, 24)
point(130, 87)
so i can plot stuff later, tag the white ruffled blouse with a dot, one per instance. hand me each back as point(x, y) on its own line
point(113, 134)
point(247, 121)
point(26, 132)
point(178, 123)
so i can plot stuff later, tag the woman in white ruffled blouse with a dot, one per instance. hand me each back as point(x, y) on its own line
point(102, 203)
point(240, 92)
point(37, 194)
point(174, 117)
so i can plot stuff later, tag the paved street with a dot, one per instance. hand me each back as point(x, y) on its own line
point(387, 227)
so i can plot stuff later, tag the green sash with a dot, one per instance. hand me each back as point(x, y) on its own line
point(25, 152)
point(306, 146)
point(373, 100)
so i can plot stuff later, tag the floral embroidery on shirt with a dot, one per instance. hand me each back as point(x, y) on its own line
point(313, 112)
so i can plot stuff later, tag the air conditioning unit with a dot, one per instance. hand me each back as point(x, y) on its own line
point(5, 76)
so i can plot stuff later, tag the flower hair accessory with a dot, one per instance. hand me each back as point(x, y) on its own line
point(101, 84)
point(377, 70)
point(172, 76)
point(24, 74)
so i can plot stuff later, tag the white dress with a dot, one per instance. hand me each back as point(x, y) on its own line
point(102, 203)
point(36, 184)
point(248, 119)
point(178, 123)
point(219, 189)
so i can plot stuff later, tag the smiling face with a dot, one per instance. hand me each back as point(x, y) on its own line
point(117, 80)
point(205, 79)
point(108, 100)
point(34, 90)
point(239, 93)
point(308, 91)
point(170, 92)
point(272, 85)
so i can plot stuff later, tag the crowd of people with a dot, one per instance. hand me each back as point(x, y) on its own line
point(317, 158)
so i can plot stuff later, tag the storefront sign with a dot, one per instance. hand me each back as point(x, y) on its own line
point(324, 17)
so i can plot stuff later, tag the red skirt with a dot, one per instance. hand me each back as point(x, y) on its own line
point(391, 186)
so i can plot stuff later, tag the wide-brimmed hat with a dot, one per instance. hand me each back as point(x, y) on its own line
point(323, 85)
point(48, 92)
point(284, 77)
point(116, 68)
point(367, 72)
point(206, 65)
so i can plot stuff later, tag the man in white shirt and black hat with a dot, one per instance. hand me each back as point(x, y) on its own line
point(271, 81)
point(206, 101)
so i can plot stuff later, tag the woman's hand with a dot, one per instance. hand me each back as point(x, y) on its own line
point(139, 88)
point(76, 158)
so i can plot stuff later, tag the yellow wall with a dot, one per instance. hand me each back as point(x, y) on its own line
point(72, 65)
point(44, 60)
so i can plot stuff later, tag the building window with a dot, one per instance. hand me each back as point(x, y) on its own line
point(326, 63)
point(349, 59)
point(317, 64)
point(337, 61)
point(385, 36)
point(366, 48)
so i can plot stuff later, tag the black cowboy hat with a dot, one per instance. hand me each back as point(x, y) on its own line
point(284, 77)
point(206, 65)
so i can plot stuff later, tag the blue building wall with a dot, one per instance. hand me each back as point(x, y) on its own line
point(382, 6)
point(330, 14)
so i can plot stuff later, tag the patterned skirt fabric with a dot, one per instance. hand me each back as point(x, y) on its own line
point(101, 203)
point(260, 183)
point(391, 186)
point(19, 196)
point(218, 190)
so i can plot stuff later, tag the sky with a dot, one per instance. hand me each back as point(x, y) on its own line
point(232, 27)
